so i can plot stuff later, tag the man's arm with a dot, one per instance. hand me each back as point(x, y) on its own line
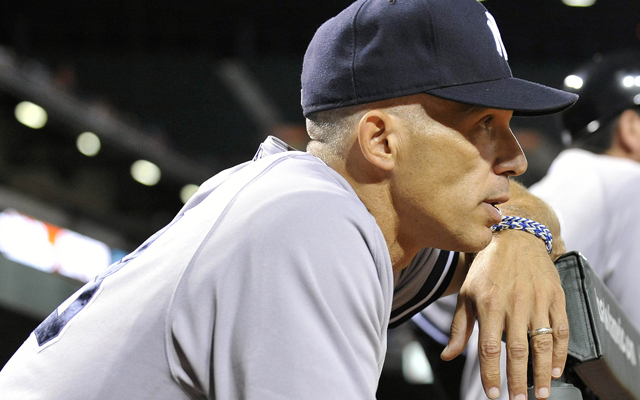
point(522, 204)
point(513, 287)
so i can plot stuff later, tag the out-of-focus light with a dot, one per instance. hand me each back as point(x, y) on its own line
point(593, 126)
point(145, 172)
point(579, 3)
point(187, 191)
point(566, 138)
point(31, 115)
point(636, 99)
point(628, 81)
point(80, 257)
point(50, 248)
point(27, 241)
point(573, 82)
point(415, 365)
point(88, 144)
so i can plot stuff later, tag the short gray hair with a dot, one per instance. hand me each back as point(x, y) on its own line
point(332, 129)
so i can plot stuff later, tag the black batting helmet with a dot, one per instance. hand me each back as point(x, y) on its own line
point(607, 86)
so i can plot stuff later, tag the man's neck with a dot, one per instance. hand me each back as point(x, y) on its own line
point(376, 196)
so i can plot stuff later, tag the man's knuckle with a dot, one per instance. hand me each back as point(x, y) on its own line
point(562, 331)
point(560, 352)
point(542, 344)
point(518, 350)
point(490, 349)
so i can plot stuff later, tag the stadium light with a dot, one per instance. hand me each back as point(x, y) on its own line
point(88, 144)
point(187, 191)
point(579, 3)
point(31, 115)
point(145, 172)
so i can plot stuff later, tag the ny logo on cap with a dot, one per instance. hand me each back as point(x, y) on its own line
point(496, 35)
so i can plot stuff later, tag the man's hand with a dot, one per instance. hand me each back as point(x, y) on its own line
point(512, 286)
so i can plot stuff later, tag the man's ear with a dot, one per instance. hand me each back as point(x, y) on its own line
point(377, 137)
point(628, 133)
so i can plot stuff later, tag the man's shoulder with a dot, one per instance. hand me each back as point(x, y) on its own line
point(297, 177)
point(278, 169)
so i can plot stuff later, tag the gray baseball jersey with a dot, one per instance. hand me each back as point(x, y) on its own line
point(273, 282)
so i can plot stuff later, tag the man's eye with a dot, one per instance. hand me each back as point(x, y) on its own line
point(487, 122)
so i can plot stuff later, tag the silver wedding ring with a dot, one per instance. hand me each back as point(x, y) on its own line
point(540, 331)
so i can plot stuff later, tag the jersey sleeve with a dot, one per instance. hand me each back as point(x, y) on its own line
point(300, 303)
point(422, 282)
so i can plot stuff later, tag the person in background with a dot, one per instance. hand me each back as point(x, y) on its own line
point(594, 185)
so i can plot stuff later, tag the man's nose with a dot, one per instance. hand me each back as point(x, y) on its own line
point(510, 159)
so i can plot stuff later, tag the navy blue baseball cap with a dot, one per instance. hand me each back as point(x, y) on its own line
point(381, 49)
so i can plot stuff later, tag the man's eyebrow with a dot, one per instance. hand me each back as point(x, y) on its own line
point(470, 109)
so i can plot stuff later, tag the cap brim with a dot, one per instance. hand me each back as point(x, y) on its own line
point(523, 97)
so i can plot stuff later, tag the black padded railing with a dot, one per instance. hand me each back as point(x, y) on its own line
point(604, 358)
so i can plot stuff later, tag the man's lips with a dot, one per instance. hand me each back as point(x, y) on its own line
point(494, 212)
point(498, 196)
point(492, 206)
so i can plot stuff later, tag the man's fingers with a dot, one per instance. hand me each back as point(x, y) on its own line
point(549, 341)
point(491, 326)
point(560, 325)
point(489, 349)
point(517, 348)
point(542, 355)
point(461, 329)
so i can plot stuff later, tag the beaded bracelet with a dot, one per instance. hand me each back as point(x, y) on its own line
point(527, 225)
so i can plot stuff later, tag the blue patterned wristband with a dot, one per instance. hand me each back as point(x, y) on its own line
point(527, 225)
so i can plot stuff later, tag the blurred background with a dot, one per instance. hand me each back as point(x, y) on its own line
point(112, 113)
